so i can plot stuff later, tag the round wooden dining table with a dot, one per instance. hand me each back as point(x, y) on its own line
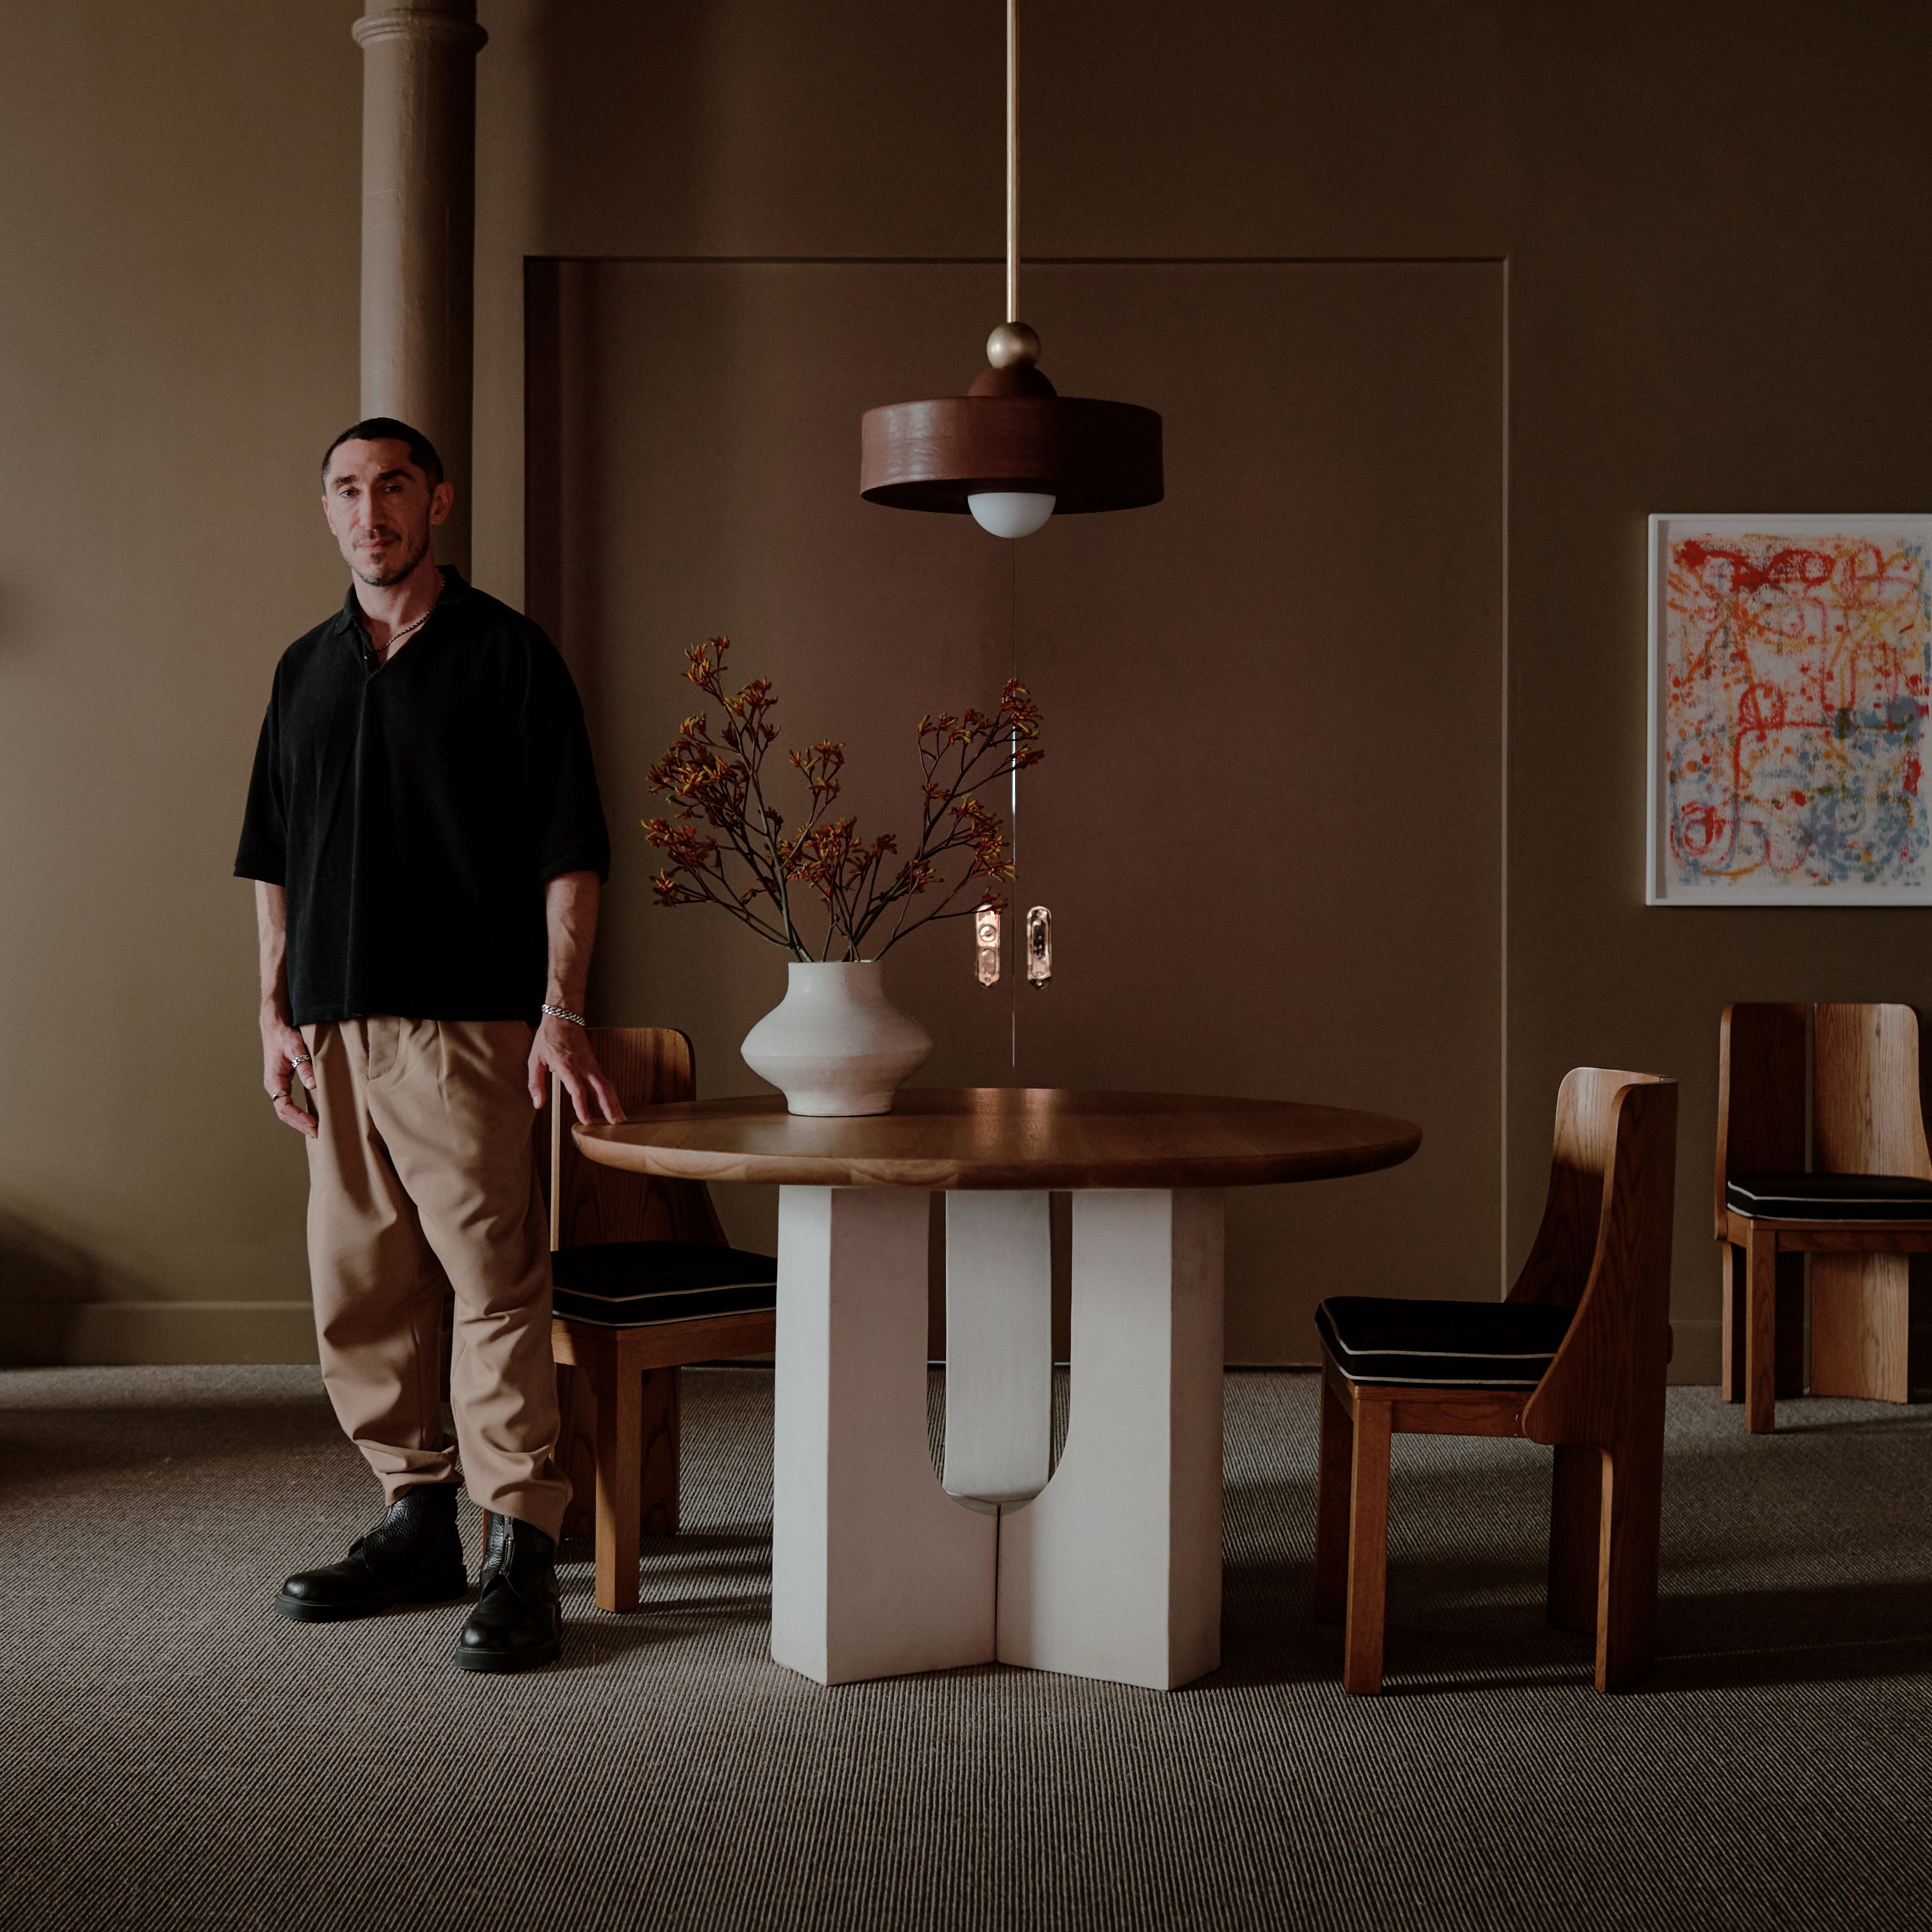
point(1108, 1563)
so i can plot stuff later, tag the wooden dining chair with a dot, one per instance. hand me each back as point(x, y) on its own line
point(1861, 1208)
point(645, 1283)
point(1574, 1357)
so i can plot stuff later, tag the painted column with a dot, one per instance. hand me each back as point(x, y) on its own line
point(419, 230)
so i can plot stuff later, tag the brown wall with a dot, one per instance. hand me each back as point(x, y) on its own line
point(1716, 280)
point(177, 319)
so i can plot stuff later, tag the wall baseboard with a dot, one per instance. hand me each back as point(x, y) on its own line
point(1697, 1357)
point(75, 1334)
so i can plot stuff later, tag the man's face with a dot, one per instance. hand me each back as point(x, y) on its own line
point(382, 508)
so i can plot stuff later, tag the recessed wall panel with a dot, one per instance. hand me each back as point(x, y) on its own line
point(1269, 822)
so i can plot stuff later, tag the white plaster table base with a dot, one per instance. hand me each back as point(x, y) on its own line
point(1113, 1570)
point(876, 1572)
point(999, 1344)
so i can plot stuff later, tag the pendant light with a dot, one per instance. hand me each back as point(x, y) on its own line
point(1012, 450)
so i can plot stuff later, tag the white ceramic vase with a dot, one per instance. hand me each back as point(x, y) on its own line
point(836, 1044)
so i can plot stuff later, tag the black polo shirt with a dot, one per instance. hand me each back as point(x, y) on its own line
point(413, 810)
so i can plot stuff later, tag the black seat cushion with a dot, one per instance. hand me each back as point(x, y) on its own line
point(633, 1284)
point(1831, 1197)
point(1498, 1345)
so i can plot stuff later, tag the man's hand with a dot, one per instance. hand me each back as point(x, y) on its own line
point(285, 1058)
point(570, 917)
point(564, 1050)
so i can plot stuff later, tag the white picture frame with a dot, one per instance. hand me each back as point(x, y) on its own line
point(1790, 674)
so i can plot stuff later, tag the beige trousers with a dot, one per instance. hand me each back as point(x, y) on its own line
point(423, 1171)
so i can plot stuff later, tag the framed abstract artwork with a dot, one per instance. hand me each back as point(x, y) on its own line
point(1790, 671)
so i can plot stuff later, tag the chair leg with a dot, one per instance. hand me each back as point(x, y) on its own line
point(620, 1457)
point(1575, 1501)
point(1861, 1325)
point(1732, 1292)
point(1789, 1376)
point(659, 1429)
point(577, 1447)
point(1331, 1509)
point(1368, 1549)
point(1761, 1332)
point(1632, 1527)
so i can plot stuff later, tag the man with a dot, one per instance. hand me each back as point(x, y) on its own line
point(427, 841)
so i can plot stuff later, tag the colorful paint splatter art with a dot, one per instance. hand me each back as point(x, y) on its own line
point(1793, 687)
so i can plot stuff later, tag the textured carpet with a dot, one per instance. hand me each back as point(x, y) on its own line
point(172, 1754)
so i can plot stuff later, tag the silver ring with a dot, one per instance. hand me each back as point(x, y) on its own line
point(281, 1096)
point(302, 1059)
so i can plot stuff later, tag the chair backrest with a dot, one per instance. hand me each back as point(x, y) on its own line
point(1867, 1116)
point(1760, 1093)
point(589, 1204)
point(1604, 1250)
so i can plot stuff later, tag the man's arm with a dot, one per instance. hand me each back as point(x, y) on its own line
point(570, 912)
point(283, 1053)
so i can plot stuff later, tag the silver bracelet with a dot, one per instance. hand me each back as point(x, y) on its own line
point(564, 1013)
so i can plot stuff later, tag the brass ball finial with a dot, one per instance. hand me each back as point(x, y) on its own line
point(1012, 345)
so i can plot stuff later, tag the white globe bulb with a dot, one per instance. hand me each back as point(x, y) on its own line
point(1009, 513)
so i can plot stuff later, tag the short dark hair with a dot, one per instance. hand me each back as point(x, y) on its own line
point(386, 429)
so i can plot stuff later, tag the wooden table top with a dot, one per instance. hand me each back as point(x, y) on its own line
point(1007, 1137)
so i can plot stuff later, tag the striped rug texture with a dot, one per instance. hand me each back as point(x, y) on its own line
point(172, 1754)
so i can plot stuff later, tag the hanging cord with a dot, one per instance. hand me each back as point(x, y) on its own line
point(1013, 793)
point(1012, 160)
point(1016, 922)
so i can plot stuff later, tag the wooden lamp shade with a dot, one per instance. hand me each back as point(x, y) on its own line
point(1011, 437)
point(1012, 431)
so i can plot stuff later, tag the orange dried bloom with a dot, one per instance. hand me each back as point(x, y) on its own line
point(720, 782)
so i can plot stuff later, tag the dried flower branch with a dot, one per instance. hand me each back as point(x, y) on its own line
point(751, 865)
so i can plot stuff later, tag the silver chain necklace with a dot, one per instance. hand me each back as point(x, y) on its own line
point(396, 637)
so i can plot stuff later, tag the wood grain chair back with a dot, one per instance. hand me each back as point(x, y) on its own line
point(590, 1205)
point(1866, 1113)
point(1760, 1093)
point(1583, 1159)
point(1620, 1129)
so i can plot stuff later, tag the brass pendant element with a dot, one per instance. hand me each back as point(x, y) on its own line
point(1039, 946)
point(986, 945)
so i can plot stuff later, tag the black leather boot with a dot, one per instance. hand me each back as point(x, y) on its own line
point(517, 1623)
point(413, 1555)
